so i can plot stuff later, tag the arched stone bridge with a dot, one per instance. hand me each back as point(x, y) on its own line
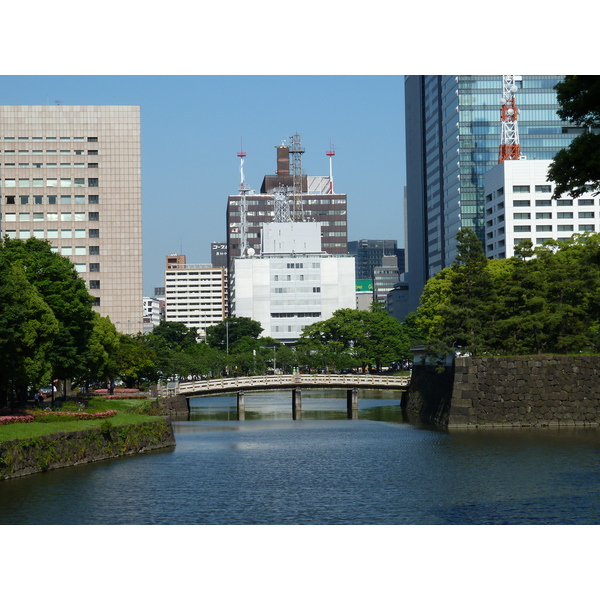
point(295, 382)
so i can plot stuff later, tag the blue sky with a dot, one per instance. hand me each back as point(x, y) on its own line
point(192, 128)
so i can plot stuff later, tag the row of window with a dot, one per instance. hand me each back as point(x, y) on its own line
point(38, 152)
point(26, 182)
point(539, 228)
point(315, 290)
point(559, 202)
point(559, 215)
point(50, 139)
point(49, 165)
point(52, 216)
point(63, 199)
point(64, 233)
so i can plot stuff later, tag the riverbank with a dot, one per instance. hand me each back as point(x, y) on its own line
point(19, 457)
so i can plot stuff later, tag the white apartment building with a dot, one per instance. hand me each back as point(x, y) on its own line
point(72, 175)
point(292, 283)
point(154, 309)
point(195, 294)
point(519, 205)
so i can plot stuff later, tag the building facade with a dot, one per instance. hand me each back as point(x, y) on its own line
point(195, 294)
point(519, 206)
point(453, 133)
point(291, 283)
point(317, 205)
point(369, 254)
point(72, 175)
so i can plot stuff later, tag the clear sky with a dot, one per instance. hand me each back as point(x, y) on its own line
point(192, 128)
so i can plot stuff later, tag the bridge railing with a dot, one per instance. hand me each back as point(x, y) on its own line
point(262, 381)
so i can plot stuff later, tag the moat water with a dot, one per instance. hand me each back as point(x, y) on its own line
point(324, 469)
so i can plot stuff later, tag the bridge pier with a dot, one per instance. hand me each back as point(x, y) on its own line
point(352, 403)
point(297, 404)
point(241, 407)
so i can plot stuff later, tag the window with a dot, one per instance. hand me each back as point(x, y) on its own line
point(316, 290)
point(94, 284)
point(10, 199)
point(38, 199)
point(93, 165)
point(79, 250)
point(521, 202)
point(38, 216)
point(93, 199)
point(93, 182)
point(94, 267)
point(521, 189)
point(92, 139)
point(543, 227)
point(586, 215)
point(564, 227)
point(94, 250)
point(79, 182)
point(66, 250)
point(79, 216)
point(586, 228)
point(38, 182)
point(545, 215)
point(66, 233)
point(10, 183)
point(94, 216)
point(23, 182)
point(51, 182)
point(564, 215)
point(65, 182)
point(522, 215)
point(585, 202)
point(96, 302)
point(93, 152)
point(564, 202)
point(95, 233)
point(51, 199)
point(24, 199)
point(65, 199)
point(80, 233)
point(543, 202)
point(66, 216)
point(542, 189)
point(24, 216)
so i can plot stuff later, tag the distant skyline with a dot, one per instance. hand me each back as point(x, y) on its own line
point(193, 126)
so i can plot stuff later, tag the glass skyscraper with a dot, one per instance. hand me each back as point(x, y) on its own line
point(453, 135)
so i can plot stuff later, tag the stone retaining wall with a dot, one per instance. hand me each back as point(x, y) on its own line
point(57, 450)
point(531, 391)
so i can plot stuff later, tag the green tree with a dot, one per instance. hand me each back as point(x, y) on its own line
point(27, 330)
point(57, 281)
point(230, 330)
point(577, 167)
point(103, 350)
point(467, 313)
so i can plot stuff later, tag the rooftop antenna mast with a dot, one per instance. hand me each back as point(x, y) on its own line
point(296, 150)
point(243, 206)
point(509, 141)
point(331, 154)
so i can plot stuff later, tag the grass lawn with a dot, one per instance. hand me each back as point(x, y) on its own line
point(124, 416)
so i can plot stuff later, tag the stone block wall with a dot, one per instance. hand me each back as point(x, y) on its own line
point(526, 391)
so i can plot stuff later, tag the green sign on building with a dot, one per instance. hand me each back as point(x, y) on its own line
point(364, 285)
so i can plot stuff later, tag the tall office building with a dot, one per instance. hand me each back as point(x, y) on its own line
point(453, 134)
point(369, 254)
point(72, 175)
point(316, 203)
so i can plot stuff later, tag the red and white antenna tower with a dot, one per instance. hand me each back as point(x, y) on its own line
point(331, 154)
point(243, 206)
point(509, 141)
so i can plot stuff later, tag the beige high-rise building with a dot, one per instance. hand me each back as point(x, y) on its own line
point(72, 175)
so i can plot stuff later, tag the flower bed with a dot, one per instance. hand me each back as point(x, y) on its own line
point(61, 415)
point(117, 391)
point(7, 420)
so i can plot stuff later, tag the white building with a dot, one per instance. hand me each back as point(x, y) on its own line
point(154, 312)
point(195, 294)
point(519, 205)
point(72, 175)
point(292, 283)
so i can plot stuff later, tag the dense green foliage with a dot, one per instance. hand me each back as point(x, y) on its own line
point(354, 338)
point(542, 300)
point(577, 167)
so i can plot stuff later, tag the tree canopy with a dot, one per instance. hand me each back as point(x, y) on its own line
point(577, 168)
point(541, 300)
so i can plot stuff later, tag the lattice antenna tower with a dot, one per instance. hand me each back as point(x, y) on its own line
point(243, 207)
point(510, 148)
point(296, 150)
point(331, 154)
point(281, 206)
